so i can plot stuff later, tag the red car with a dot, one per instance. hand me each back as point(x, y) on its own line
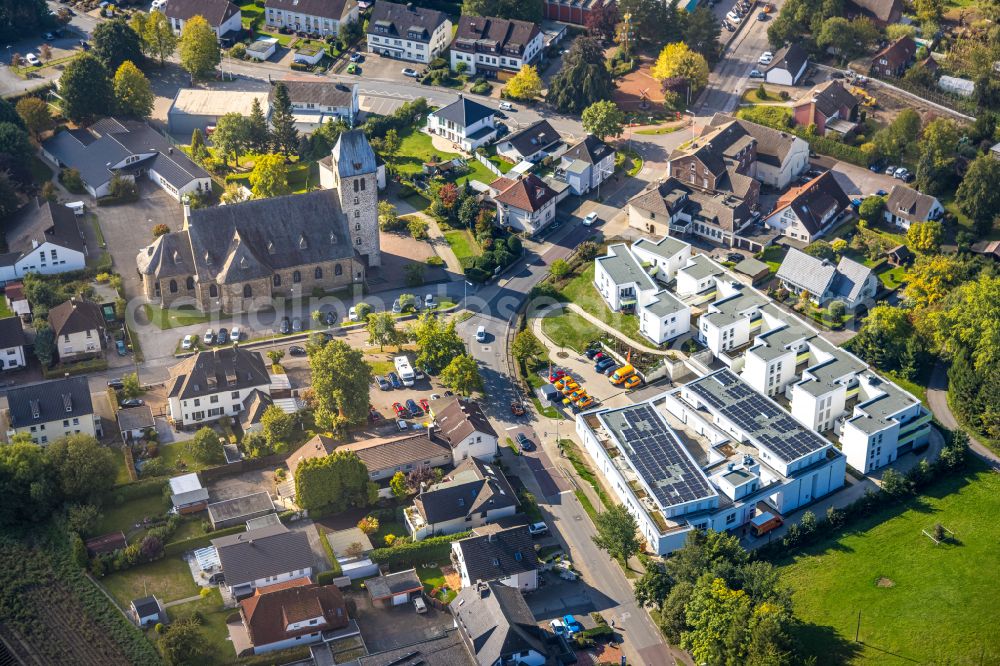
point(401, 411)
point(517, 409)
point(425, 405)
point(556, 376)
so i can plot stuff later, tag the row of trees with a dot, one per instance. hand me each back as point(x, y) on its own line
point(16, 153)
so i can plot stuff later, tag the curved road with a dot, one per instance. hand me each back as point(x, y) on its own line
point(937, 399)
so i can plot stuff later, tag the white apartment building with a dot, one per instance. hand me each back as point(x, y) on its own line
point(223, 16)
point(527, 204)
point(621, 280)
point(406, 32)
point(212, 384)
point(495, 48)
point(44, 239)
point(49, 410)
point(465, 123)
point(323, 17)
point(12, 342)
point(663, 257)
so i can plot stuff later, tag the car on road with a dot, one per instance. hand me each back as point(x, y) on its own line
point(765, 59)
point(517, 409)
point(116, 384)
point(413, 407)
point(357, 57)
point(394, 380)
point(590, 219)
point(296, 350)
point(412, 73)
point(32, 59)
point(187, 342)
point(572, 626)
point(538, 529)
point(507, 106)
point(481, 334)
point(881, 193)
point(382, 383)
point(132, 402)
point(762, 16)
point(524, 443)
point(633, 382)
point(400, 411)
point(209, 337)
point(756, 74)
point(286, 326)
point(353, 69)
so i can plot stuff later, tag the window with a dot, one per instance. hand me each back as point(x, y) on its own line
point(213, 291)
point(357, 214)
point(338, 270)
point(190, 283)
point(357, 241)
point(173, 286)
point(318, 273)
point(197, 402)
point(214, 399)
point(362, 185)
point(247, 291)
point(730, 519)
point(356, 186)
point(296, 277)
point(276, 280)
point(357, 200)
point(357, 226)
point(235, 395)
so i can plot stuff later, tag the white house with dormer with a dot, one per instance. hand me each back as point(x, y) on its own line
point(408, 33)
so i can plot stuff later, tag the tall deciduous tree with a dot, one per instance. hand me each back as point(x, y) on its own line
point(978, 195)
point(36, 115)
point(230, 136)
point(45, 345)
point(340, 379)
point(85, 468)
point(183, 643)
point(85, 88)
point(277, 427)
point(617, 533)
point(114, 42)
point(133, 94)
point(199, 48)
point(14, 142)
point(269, 177)
point(527, 346)
point(583, 79)
point(28, 483)
point(284, 136)
point(883, 335)
point(438, 341)
point(336, 481)
point(462, 375)
point(938, 154)
point(603, 119)
point(158, 38)
point(382, 329)
point(925, 236)
point(526, 85)
point(524, 10)
point(206, 447)
point(677, 60)
point(602, 19)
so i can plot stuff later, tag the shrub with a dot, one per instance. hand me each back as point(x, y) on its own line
point(326, 577)
point(432, 549)
point(435, 261)
point(390, 539)
point(239, 51)
point(71, 180)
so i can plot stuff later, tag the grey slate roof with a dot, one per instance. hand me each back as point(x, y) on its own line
point(829, 97)
point(217, 370)
point(790, 58)
point(387, 585)
point(53, 400)
point(333, 9)
point(11, 333)
point(353, 155)
point(666, 198)
point(812, 201)
point(239, 507)
point(464, 111)
point(268, 551)
point(498, 554)
point(622, 267)
point(772, 145)
point(537, 136)
point(169, 256)
point(457, 418)
point(323, 93)
point(76, 316)
point(850, 279)
point(806, 272)
point(590, 150)
point(909, 204)
point(135, 418)
point(401, 20)
point(496, 622)
point(488, 34)
point(472, 487)
point(445, 650)
point(49, 222)
point(216, 12)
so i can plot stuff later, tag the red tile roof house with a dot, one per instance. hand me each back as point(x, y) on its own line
point(893, 60)
point(830, 106)
point(286, 615)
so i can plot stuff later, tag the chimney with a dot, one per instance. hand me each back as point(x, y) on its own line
point(170, 150)
point(186, 201)
point(484, 589)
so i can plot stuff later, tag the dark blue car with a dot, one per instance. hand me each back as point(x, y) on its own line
point(604, 364)
point(394, 379)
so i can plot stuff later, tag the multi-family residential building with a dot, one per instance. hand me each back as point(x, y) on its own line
point(781, 156)
point(49, 410)
point(722, 160)
point(406, 32)
point(585, 165)
point(847, 281)
point(506, 556)
point(673, 208)
point(621, 279)
point(663, 257)
point(222, 16)
point(211, 384)
point(905, 205)
point(322, 17)
point(317, 102)
point(495, 48)
point(711, 454)
point(473, 494)
point(464, 122)
point(79, 329)
point(527, 204)
point(807, 212)
point(12, 342)
point(497, 627)
point(43, 239)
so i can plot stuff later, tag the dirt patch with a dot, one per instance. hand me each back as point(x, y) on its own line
point(885, 582)
point(638, 84)
point(451, 578)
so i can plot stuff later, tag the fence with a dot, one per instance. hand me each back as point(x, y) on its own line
point(232, 469)
point(489, 165)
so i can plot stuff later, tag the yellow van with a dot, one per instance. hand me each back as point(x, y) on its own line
point(622, 373)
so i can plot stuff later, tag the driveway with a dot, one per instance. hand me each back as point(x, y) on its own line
point(397, 626)
point(937, 400)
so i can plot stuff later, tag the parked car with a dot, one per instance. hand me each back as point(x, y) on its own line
point(591, 353)
point(524, 443)
point(84, 44)
point(604, 364)
point(396, 307)
point(32, 60)
point(286, 326)
point(330, 318)
point(733, 16)
point(116, 384)
point(400, 411)
point(765, 58)
point(572, 626)
point(412, 73)
point(756, 74)
point(382, 383)
point(429, 302)
point(120, 346)
point(223, 337)
point(585, 403)
point(608, 371)
point(517, 409)
point(556, 376)
point(599, 356)
point(762, 16)
point(132, 402)
point(836, 75)
point(413, 407)
point(506, 106)
point(734, 257)
point(352, 314)
point(729, 26)
point(881, 193)
point(357, 57)
point(395, 381)
point(481, 334)
point(209, 337)
point(235, 334)
point(891, 169)
point(187, 342)
point(296, 350)
point(297, 324)
point(419, 605)
point(353, 69)
point(633, 382)
point(590, 219)
point(558, 627)
point(538, 529)
point(373, 415)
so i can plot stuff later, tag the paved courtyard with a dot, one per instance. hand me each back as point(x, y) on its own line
point(398, 626)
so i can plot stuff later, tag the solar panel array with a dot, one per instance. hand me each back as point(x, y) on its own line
point(757, 415)
point(670, 473)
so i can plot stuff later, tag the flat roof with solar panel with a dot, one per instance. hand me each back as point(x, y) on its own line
point(655, 452)
point(758, 416)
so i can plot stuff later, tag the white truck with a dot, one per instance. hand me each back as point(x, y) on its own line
point(404, 370)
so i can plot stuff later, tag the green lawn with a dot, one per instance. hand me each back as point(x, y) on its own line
point(416, 148)
point(937, 602)
point(659, 130)
point(4, 310)
point(384, 528)
point(174, 454)
point(432, 577)
point(462, 243)
point(175, 317)
point(124, 516)
point(213, 625)
point(581, 290)
point(169, 579)
point(893, 277)
point(569, 329)
point(501, 164)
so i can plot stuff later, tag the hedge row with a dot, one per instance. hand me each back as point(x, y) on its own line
point(334, 564)
point(417, 552)
point(184, 545)
point(138, 490)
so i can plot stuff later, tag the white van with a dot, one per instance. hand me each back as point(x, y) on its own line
point(481, 334)
point(506, 106)
point(78, 207)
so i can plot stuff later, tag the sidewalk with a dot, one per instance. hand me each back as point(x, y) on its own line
point(573, 307)
point(442, 248)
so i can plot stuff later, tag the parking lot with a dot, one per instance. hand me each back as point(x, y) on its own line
point(396, 626)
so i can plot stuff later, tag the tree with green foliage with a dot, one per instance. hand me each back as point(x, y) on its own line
point(85, 88)
point(978, 195)
point(851, 38)
point(417, 226)
point(269, 177)
point(133, 94)
point(14, 142)
point(85, 469)
point(438, 341)
point(929, 11)
point(527, 346)
point(45, 344)
point(36, 115)
point(617, 533)
point(717, 617)
point(28, 483)
point(284, 135)
point(821, 250)
point(603, 119)
point(655, 22)
point(382, 330)
point(462, 375)
point(938, 149)
point(277, 427)
point(583, 78)
point(701, 33)
point(388, 218)
point(970, 321)
point(673, 618)
point(113, 42)
point(131, 388)
point(871, 209)
point(257, 131)
point(158, 38)
point(387, 147)
point(198, 48)
point(654, 587)
point(932, 277)
point(183, 643)
point(560, 268)
point(340, 382)
point(523, 10)
point(678, 61)
point(198, 149)
point(205, 447)
point(400, 489)
point(334, 482)
point(230, 136)
point(82, 518)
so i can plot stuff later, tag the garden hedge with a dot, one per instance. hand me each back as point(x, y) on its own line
point(417, 552)
point(201, 541)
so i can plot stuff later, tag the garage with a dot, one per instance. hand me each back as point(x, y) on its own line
point(394, 589)
point(200, 109)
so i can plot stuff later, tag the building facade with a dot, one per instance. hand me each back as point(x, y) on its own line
point(212, 384)
point(408, 33)
point(53, 409)
point(322, 17)
point(495, 48)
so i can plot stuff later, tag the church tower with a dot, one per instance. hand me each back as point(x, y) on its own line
point(353, 168)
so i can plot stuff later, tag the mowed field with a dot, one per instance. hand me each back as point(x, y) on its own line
point(920, 602)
